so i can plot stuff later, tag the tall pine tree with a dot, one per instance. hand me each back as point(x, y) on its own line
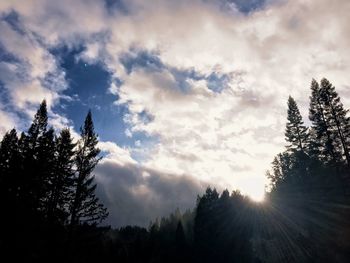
point(337, 118)
point(323, 143)
point(60, 190)
point(86, 206)
point(37, 147)
point(46, 166)
point(9, 168)
point(296, 131)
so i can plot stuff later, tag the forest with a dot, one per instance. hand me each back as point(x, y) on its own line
point(51, 213)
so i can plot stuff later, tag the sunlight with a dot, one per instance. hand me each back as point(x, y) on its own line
point(256, 192)
point(254, 188)
point(257, 196)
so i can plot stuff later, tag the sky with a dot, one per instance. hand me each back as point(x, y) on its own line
point(184, 94)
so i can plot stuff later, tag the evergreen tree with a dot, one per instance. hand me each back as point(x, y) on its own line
point(85, 206)
point(323, 145)
point(9, 164)
point(205, 230)
point(46, 166)
point(296, 131)
point(290, 172)
point(280, 173)
point(60, 190)
point(37, 147)
point(275, 175)
point(38, 126)
point(180, 240)
point(336, 115)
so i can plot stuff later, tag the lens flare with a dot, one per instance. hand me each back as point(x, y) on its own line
point(257, 196)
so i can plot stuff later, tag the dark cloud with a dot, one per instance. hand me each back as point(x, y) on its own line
point(244, 6)
point(141, 59)
point(12, 18)
point(182, 76)
point(136, 195)
point(145, 117)
point(150, 62)
point(117, 5)
point(218, 82)
point(247, 6)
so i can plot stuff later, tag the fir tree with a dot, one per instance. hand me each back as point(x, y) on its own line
point(322, 145)
point(275, 175)
point(180, 238)
point(296, 131)
point(37, 147)
point(336, 115)
point(85, 206)
point(46, 169)
point(281, 170)
point(60, 190)
point(9, 164)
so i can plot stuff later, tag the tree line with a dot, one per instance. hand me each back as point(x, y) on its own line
point(48, 194)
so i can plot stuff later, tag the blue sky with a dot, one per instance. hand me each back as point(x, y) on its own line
point(88, 86)
point(184, 94)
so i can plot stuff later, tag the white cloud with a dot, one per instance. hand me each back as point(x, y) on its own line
point(7, 122)
point(116, 154)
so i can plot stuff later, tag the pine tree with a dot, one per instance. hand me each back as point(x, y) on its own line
point(46, 166)
point(336, 115)
point(60, 191)
point(296, 131)
point(291, 172)
point(85, 206)
point(275, 175)
point(323, 145)
point(205, 221)
point(9, 164)
point(37, 147)
point(180, 238)
point(280, 173)
point(38, 127)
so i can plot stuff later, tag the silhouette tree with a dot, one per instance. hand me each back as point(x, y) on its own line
point(46, 166)
point(8, 163)
point(180, 236)
point(280, 175)
point(323, 145)
point(180, 242)
point(60, 188)
point(37, 148)
point(85, 206)
point(296, 131)
point(205, 225)
point(335, 113)
point(41, 177)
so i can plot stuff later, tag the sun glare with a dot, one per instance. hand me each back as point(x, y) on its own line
point(254, 188)
point(255, 192)
point(257, 196)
